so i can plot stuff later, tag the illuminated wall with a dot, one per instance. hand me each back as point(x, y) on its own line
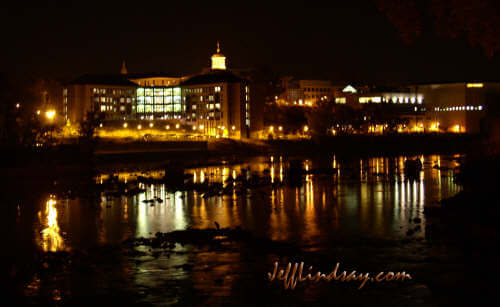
point(456, 107)
point(159, 103)
point(113, 102)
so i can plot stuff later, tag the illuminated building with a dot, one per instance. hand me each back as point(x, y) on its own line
point(459, 107)
point(216, 102)
point(306, 92)
point(220, 102)
point(113, 96)
point(440, 107)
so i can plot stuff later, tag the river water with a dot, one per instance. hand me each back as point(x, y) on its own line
point(361, 213)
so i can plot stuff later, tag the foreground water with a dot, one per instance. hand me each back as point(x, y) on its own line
point(362, 212)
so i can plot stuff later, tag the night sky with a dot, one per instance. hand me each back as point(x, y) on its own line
point(354, 42)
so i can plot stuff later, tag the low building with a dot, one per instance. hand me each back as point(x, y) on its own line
point(461, 106)
point(305, 92)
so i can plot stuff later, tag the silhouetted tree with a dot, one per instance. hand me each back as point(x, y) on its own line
point(477, 20)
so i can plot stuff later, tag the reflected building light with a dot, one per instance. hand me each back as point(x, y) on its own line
point(202, 176)
point(475, 85)
point(51, 237)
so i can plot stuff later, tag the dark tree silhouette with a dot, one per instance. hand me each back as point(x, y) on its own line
point(477, 20)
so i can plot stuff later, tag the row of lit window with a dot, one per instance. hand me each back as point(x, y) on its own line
point(158, 91)
point(114, 91)
point(311, 89)
point(394, 99)
point(113, 99)
point(108, 108)
point(159, 108)
point(158, 100)
point(460, 108)
point(166, 116)
point(211, 89)
point(153, 83)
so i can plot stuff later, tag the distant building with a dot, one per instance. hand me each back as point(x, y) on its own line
point(462, 106)
point(458, 107)
point(215, 102)
point(305, 92)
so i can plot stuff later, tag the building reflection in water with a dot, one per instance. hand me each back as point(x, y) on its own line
point(361, 196)
point(51, 240)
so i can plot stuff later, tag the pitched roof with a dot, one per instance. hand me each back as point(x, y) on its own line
point(151, 75)
point(120, 80)
point(213, 77)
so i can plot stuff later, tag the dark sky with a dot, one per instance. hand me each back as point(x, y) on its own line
point(353, 42)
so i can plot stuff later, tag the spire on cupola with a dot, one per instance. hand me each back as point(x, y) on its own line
point(124, 71)
point(218, 60)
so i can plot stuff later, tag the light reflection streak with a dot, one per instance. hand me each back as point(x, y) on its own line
point(51, 237)
point(368, 200)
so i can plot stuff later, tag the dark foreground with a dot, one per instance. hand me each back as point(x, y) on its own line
point(132, 235)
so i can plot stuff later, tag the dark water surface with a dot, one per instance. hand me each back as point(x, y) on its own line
point(360, 213)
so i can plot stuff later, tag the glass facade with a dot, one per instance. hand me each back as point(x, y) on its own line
point(159, 102)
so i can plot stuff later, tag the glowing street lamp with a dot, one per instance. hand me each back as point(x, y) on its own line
point(125, 125)
point(18, 106)
point(139, 127)
point(167, 127)
point(177, 126)
point(233, 128)
point(50, 114)
point(306, 128)
point(151, 125)
point(280, 128)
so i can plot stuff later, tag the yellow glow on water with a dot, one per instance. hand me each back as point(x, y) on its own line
point(51, 238)
point(202, 177)
point(476, 85)
point(225, 172)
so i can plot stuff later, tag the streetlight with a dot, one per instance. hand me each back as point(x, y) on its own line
point(50, 114)
point(125, 125)
point(306, 128)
